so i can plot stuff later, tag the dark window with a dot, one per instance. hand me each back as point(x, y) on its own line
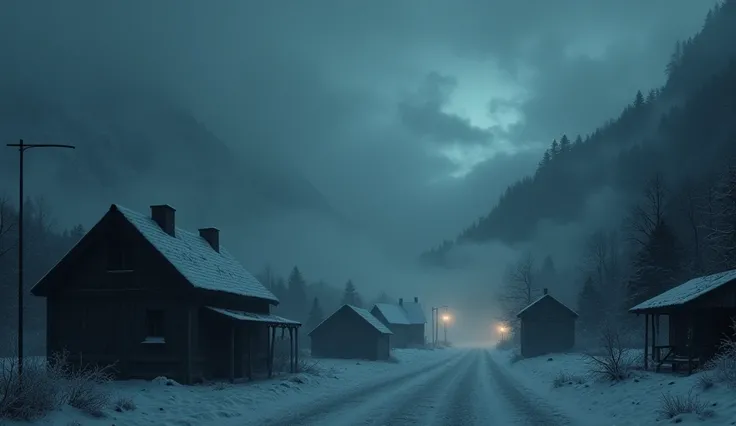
point(118, 256)
point(155, 323)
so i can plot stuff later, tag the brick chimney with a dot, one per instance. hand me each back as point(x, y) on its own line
point(164, 216)
point(545, 291)
point(416, 299)
point(401, 302)
point(212, 236)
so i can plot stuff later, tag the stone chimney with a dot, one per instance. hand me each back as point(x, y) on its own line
point(401, 302)
point(545, 291)
point(416, 299)
point(164, 216)
point(212, 236)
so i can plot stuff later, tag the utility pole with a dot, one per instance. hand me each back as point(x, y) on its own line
point(22, 148)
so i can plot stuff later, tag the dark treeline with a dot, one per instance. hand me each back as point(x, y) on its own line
point(670, 155)
point(44, 245)
point(685, 130)
point(311, 302)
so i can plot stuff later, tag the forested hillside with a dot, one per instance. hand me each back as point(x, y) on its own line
point(685, 130)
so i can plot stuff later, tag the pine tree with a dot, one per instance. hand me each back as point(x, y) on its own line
point(578, 140)
point(554, 149)
point(651, 97)
point(297, 295)
point(638, 100)
point(383, 298)
point(590, 302)
point(350, 296)
point(316, 316)
point(657, 265)
point(564, 144)
point(546, 159)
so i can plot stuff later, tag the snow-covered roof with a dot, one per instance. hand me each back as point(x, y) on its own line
point(687, 292)
point(544, 297)
point(394, 314)
point(372, 320)
point(252, 317)
point(196, 260)
point(414, 312)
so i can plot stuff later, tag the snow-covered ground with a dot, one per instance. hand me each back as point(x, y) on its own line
point(157, 403)
point(564, 381)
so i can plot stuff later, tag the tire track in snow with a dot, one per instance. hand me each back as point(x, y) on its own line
point(467, 399)
point(527, 408)
point(326, 406)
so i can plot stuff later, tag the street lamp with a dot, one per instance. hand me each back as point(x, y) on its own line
point(502, 329)
point(446, 318)
point(22, 148)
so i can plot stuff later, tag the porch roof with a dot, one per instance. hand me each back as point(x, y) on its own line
point(268, 319)
point(686, 293)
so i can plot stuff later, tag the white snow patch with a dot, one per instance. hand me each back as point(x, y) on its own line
point(633, 402)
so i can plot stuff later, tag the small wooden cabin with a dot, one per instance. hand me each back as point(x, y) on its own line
point(351, 332)
point(696, 316)
point(547, 326)
point(414, 311)
point(156, 300)
point(394, 318)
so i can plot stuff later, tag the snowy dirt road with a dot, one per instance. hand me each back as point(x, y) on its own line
point(469, 388)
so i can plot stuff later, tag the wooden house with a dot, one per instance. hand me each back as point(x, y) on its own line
point(156, 300)
point(405, 320)
point(696, 316)
point(547, 326)
point(351, 332)
point(394, 318)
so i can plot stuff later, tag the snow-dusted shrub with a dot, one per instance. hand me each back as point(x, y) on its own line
point(705, 381)
point(615, 361)
point(671, 406)
point(723, 365)
point(84, 385)
point(124, 403)
point(564, 378)
point(31, 395)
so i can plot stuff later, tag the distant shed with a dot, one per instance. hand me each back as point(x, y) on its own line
point(351, 332)
point(547, 326)
point(700, 313)
point(394, 317)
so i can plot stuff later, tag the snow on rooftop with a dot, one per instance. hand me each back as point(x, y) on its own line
point(371, 319)
point(394, 314)
point(197, 261)
point(252, 317)
point(414, 312)
point(534, 303)
point(687, 292)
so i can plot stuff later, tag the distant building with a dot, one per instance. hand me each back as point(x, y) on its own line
point(351, 332)
point(156, 300)
point(547, 326)
point(696, 316)
point(405, 320)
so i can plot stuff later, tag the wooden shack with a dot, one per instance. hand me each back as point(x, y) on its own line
point(394, 318)
point(547, 326)
point(696, 316)
point(155, 300)
point(351, 332)
point(414, 311)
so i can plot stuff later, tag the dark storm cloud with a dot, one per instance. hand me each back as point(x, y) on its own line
point(339, 89)
point(424, 114)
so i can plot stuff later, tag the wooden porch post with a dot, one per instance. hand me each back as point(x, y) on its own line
point(232, 351)
point(291, 350)
point(646, 341)
point(250, 353)
point(296, 350)
point(271, 345)
point(655, 352)
point(189, 352)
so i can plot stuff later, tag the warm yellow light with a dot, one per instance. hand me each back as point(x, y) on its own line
point(502, 329)
point(445, 318)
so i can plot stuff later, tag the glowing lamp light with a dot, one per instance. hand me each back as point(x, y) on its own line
point(446, 318)
point(502, 329)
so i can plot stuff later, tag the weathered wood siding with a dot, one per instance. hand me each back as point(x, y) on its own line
point(546, 328)
point(346, 335)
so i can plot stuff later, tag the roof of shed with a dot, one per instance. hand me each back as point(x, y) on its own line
point(393, 313)
point(364, 314)
point(687, 292)
point(537, 302)
point(414, 312)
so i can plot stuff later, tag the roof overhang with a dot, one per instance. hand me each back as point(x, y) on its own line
point(267, 319)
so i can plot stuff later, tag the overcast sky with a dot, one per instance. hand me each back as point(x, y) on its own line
point(410, 116)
